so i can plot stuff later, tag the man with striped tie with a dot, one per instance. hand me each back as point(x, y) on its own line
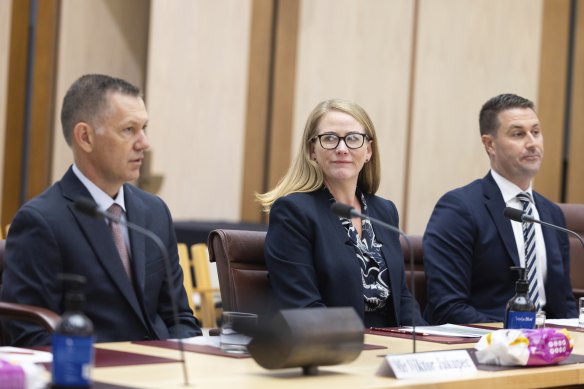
point(469, 246)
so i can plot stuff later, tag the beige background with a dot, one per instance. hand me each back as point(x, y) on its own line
point(435, 64)
point(196, 90)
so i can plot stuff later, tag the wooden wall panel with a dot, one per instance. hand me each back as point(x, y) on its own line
point(286, 32)
point(575, 187)
point(552, 94)
point(196, 96)
point(5, 25)
point(259, 107)
point(118, 48)
point(467, 52)
point(361, 51)
point(31, 75)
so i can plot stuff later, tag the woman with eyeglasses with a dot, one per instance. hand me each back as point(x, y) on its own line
point(317, 259)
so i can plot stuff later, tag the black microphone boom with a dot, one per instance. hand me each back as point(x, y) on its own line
point(346, 211)
point(519, 216)
point(89, 208)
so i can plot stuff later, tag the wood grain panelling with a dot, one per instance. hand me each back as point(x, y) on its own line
point(283, 89)
point(552, 93)
point(37, 170)
point(5, 23)
point(360, 51)
point(575, 187)
point(259, 99)
point(197, 87)
point(467, 52)
point(118, 48)
point(42, 103)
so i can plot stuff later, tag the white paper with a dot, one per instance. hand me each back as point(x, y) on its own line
point(20, 355)
point(452, 330)
point(564, 322)
point(201, 340)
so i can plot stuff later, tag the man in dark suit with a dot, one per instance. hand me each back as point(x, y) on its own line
point(127, 295)
point(469, 246)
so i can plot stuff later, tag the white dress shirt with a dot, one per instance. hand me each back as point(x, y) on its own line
point(510, 191)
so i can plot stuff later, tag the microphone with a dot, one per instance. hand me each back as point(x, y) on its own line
point(520, 216)
point(346, 211)
point(89, 207)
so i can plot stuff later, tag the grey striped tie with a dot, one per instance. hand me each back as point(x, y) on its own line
point(118, 236)
point(530, 259)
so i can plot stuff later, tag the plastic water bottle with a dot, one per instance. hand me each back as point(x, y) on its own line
point(73, 339)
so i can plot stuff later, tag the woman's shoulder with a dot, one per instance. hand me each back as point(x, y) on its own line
point(380, 202)
point(300, 201)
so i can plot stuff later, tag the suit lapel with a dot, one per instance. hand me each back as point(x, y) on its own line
point(383, 236)
point(333, 220)
point(99, 237)
point(136, 213)
point(495, 204)
point(546, 216)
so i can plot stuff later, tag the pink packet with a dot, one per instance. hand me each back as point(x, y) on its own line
point(523, 347)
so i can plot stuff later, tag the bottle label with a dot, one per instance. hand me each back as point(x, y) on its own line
point(72, 360)
point(519, 319)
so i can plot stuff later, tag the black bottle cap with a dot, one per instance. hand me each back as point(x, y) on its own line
point(521, 286)
point(74, 285)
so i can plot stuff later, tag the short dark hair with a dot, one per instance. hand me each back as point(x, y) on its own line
point(86, 101)
point(488, 117)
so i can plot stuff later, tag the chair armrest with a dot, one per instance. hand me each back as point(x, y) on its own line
point(41, 316)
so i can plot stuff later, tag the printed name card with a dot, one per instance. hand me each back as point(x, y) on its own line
point(430, 364)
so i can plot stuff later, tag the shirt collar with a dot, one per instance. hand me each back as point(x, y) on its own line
point(102, 199)
point(508, 189)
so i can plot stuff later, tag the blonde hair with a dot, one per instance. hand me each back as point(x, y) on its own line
point(304, 175)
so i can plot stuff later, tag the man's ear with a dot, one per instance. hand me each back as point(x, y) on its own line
point(84, 136)
point(488, 142)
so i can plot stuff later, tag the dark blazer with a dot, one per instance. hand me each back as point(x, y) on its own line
point(48, 237)
point(311, 261)
point(469, 247)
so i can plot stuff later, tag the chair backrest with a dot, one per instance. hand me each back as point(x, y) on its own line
point(41, 316)
point(574, 214)
point(243, 276)
point(419, 275)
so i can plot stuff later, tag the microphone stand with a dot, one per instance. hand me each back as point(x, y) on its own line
point(529, 219)
point(519, 216)
point(89, 208)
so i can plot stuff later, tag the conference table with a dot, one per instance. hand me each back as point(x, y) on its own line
point(161, 369)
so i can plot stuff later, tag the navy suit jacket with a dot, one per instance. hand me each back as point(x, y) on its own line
point(469, 248)
point(48, 237)
point(312, 263)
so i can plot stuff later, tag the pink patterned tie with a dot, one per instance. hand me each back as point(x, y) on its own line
point(118, 236)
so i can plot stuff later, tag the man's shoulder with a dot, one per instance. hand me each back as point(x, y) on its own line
point(470, 191)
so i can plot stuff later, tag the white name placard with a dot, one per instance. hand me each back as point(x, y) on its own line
point(429, 364)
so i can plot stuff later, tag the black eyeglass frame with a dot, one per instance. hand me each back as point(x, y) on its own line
point(339, 138)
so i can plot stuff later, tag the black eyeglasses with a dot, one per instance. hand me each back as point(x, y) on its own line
point(353, 140)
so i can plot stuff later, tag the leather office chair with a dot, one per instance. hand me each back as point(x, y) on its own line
point(419, 275)
point(41, 316)
point(243, 276)
point(574, 214)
